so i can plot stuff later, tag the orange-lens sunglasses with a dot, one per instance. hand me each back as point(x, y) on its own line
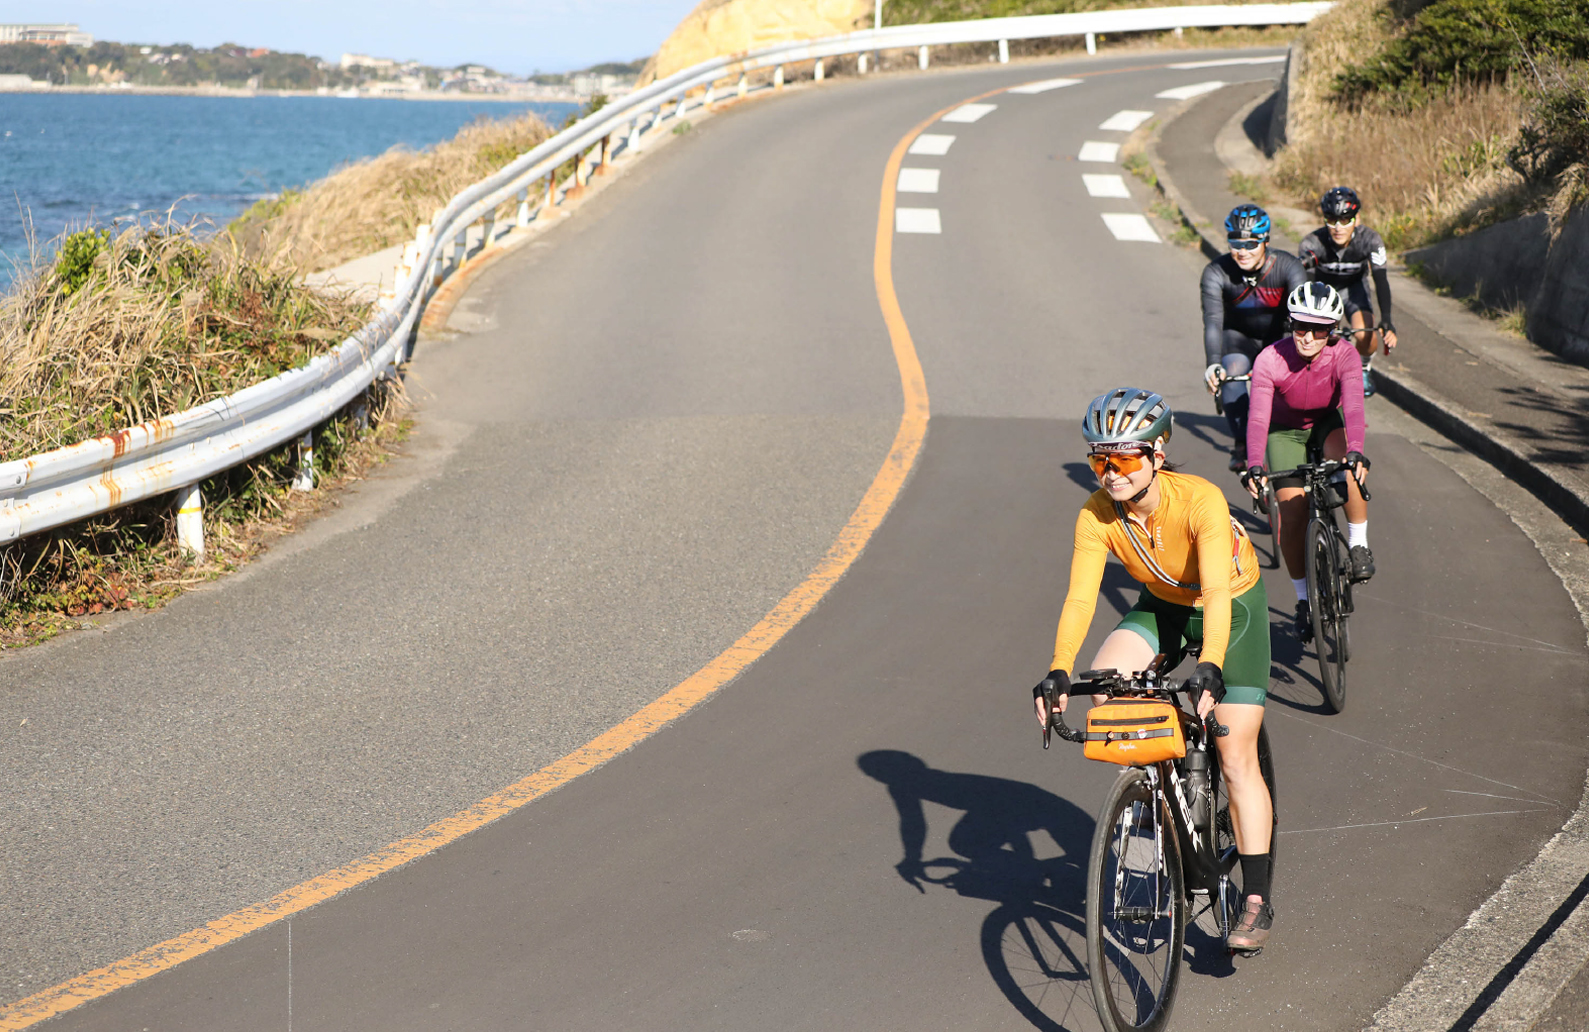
point(1123, 463)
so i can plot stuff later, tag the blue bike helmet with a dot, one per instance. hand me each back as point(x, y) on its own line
point(1247, 222)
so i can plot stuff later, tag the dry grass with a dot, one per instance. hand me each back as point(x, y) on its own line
point(1425, 171)
point(375, 203)
point(145, 319)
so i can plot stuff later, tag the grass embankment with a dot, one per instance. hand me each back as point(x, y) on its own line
point(378, 202)
point(143, 319)
point(1445, 115)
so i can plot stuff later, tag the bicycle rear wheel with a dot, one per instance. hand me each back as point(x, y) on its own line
point(1324, 595)
point(1136, 908)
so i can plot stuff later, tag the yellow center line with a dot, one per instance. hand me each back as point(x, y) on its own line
point(852, 539)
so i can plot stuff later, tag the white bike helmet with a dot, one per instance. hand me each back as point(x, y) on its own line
point(1127, 417)
point(1316, 303)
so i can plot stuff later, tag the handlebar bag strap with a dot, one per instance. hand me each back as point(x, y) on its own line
point(1134, 732)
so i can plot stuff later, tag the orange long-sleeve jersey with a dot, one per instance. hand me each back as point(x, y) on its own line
point(1188, 551)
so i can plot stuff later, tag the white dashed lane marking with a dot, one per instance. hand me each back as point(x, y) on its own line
point(1130, 227)
point(1197, 89)
point(918, 180)
point(1276, 59)
point(1125, 121)
point(1044, 86)
point(922, 220)
point(1105, 186)
point(1092, 150)
point(968, 112)
point(931, 144)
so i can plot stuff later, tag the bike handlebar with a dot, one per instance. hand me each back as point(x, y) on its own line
point(1110, 683)
point(1323, 469)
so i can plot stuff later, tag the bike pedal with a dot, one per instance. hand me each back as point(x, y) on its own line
point(1231, 951)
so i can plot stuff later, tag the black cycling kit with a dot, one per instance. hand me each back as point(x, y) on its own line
point(1246, 311)
point(1345, 268)
point(1243, 313)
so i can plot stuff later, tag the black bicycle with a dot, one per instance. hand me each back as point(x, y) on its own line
point(1328, 562)
point(1265, 505)
point(1164, 841)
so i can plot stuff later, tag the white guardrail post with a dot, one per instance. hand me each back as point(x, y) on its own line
point(174, 454)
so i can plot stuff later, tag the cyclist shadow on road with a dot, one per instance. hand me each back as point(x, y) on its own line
point(1293, 678)
point(1033, 941)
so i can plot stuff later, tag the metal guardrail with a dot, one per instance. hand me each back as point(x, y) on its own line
point(174, 453)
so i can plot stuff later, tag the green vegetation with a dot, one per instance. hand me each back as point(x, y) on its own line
point(140, 320)
point(1446, 116)
point(177, 65)
point(1451, 43)
point(910, 12)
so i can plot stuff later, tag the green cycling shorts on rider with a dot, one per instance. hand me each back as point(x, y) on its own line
point(1307, 397)
point(1174, 534)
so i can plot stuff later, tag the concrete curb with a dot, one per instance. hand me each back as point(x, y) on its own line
point(1509, 962)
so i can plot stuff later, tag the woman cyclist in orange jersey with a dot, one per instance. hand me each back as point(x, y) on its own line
point(1173, 532)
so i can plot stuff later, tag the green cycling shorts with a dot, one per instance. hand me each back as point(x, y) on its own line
point(1288, 449)
point(1167, 626)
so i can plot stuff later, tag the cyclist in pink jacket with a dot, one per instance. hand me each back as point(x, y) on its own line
point(1307, 395)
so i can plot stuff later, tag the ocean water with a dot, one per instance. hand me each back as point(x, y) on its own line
point(66, 159)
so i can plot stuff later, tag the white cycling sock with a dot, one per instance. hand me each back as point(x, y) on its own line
point(1301, 586)
point(1356, 534)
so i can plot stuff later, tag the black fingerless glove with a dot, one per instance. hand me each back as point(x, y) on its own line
point(1353, 458)
point(1061, 683)
point(1252, 473)
point(1206, 678)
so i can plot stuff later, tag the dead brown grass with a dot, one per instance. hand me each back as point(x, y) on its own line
point(378, 202)
point(1424, 171)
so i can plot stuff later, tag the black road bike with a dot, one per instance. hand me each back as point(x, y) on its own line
point(1328, 562)
point(1164, 843)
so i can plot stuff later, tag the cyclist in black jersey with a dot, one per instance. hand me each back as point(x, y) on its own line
point(1244, 311)
point(1344, 254)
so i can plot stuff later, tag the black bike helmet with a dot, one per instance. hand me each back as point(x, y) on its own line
point(1341, 202)
point(1247, 222)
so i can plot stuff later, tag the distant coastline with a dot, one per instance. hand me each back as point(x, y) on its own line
point(531, 96)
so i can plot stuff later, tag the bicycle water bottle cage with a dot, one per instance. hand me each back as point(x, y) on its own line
point(1134, 732)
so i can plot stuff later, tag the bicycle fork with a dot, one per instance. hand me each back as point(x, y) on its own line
point(1137, 914)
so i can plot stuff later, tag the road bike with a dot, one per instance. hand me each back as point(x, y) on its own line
point(1265, 505)
point(1328, 562)
point(1164, 842)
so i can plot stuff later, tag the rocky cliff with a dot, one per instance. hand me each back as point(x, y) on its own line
point(718, 27)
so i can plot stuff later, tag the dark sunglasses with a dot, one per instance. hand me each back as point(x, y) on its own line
point(1245, 245)
point(1313, 331)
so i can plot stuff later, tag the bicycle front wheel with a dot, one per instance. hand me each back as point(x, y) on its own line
point(1136, 908)
point(1272, 504)
point(1324, 595)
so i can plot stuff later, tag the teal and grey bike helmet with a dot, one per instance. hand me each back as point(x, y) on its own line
point(1127, 419)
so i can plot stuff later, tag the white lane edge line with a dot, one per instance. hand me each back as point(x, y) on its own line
point(1130, 226)
point(1196, 89)
point(917, 180)
point(968, 113)
point(917, 220)
point(1125, 121)
point(1095, 150)
point(932, 144)
point(1105, 185)
point(1189, 65)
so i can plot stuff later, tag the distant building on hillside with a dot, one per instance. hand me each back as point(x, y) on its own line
point(587, 85)
point(49, 35)
point(375, 64)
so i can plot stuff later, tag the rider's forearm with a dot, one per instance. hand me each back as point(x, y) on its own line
point(1382, 295)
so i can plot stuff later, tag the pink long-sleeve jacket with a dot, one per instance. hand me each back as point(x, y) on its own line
point(1290, 392)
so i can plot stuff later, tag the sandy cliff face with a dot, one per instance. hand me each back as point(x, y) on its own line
point(718, 27)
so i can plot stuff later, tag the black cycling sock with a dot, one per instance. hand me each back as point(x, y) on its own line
point(1255, 872)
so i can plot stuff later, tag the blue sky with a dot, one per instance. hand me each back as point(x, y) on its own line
point(510, 35)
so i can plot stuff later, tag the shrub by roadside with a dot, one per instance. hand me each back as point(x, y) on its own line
point(1446, 115)
point(136, 321)
point(378, 202)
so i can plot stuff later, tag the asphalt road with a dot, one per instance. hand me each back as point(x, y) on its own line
point(600, 502)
